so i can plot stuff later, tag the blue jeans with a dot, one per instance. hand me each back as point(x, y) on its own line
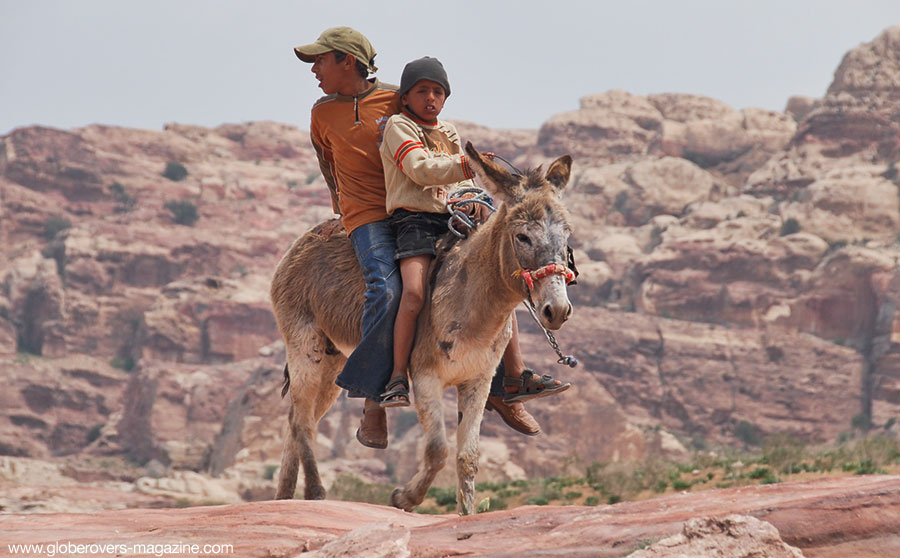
point(369, 367)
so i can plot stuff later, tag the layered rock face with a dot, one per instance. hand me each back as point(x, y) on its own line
point(737, 267)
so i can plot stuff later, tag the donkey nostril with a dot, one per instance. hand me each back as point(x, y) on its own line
point(548, 313)
point(569, 312)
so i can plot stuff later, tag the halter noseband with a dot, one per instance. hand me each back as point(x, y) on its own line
point(550, 269)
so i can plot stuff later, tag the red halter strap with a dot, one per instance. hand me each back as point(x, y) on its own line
point(556, 268)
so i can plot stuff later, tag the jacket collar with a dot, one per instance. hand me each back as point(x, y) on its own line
point(412, 116)
point(374, 85)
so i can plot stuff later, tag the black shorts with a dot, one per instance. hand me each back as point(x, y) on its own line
point(418, 232)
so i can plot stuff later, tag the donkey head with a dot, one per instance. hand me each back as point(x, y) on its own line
point(535, 231)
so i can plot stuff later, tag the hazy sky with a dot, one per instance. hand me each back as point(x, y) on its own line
point(68, 63)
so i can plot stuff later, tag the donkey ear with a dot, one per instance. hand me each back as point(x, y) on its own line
point(559, 172)
point(497, 180)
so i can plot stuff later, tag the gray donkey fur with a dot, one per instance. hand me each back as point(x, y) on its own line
point(464, 326)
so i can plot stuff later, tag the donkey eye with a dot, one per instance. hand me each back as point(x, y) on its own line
point(523, 239)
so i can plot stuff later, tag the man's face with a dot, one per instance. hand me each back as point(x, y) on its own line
point(329, 72)
point(426, 99)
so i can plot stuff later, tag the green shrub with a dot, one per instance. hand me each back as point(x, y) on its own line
point(55, 225)
point(782, 451)
point(269, 472)
point(862, 421)
point(351, 488)
point(613, 499)
point(759, 473)
point(537, 501)
point(126, 364)
point(866, 467)
point(94, 433)
point(591, 501)
point(681, 485)
point(747, 433)
point(175, 171)
point(442, 496)
point(124, 202)
point(790, 226)
point(183, 212)
point(497, 503)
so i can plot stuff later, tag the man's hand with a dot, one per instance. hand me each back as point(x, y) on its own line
point(479, 212)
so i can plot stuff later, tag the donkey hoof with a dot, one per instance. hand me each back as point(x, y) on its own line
point(400, 500)
point(314, 493)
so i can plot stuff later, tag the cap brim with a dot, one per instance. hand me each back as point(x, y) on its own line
point(308, 53)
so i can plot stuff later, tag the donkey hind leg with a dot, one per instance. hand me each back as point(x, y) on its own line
point(471, 399)
point(312, 370)
point(428, 392)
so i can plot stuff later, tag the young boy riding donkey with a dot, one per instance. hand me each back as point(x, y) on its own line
point(345, 130)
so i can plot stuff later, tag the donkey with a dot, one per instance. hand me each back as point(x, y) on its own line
point(462, 330)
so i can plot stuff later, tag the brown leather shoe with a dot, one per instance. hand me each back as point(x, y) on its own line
point(514, 415)
point(372, 431)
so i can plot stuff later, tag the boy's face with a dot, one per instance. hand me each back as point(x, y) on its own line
point(329, 72)
point(426, 99)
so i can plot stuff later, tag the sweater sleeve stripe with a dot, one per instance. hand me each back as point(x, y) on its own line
point(404, 151)
point(402, 145)
point(467, 170)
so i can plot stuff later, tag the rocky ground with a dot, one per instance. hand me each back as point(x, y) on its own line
point(856, 517)
point(739, 272)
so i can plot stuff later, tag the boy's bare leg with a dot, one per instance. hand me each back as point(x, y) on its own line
point(412, 272)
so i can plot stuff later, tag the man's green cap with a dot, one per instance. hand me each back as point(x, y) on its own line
point(344, 39)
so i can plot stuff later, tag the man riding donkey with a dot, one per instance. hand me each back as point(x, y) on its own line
point(346, 130)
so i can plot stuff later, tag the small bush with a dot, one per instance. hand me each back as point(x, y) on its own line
point(537, 501)
point(591, 501)
point(866, 467)
point(509, 492)
point(892, 174)
point(497, 503)
point(442, 496)
point(862, 421)
point(126, 364)
point(351, 488)
point(55, 225)
point(124, 202)
point(613, 499)
point(175, 171)
point(681, 485)
point(269, 472)
point(183, 212)
point(790, 226)
point(94, 433)
point(747, 433)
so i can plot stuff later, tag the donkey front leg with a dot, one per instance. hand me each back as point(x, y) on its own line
point(428, 391)
point(471, 399)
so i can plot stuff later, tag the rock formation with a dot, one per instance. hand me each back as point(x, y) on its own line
point(738, 266)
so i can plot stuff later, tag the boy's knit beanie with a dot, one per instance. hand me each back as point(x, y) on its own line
point(424, 68)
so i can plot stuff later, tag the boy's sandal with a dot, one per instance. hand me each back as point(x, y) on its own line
point(396, 394)
point(532, 386)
